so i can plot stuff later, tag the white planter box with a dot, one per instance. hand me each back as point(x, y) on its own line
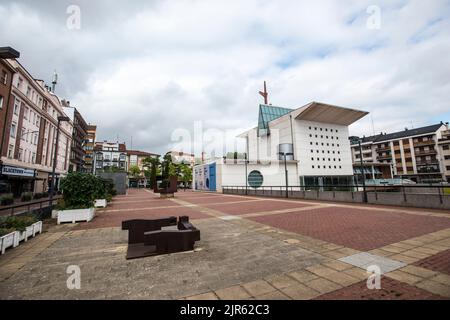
point(13, 239)
point(22, 236)
point(31, 231)
point(37, 228)
point(28, 232)
point(76, 215)
point(9, 240)
point(100, 203)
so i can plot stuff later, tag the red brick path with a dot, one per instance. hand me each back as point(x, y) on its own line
point(359, 229)
point(254, 206)
point(439, 262)
point(390, 290)
point(147, 206)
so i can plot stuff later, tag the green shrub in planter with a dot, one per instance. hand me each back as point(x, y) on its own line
point(4, 231)
point(81, 189)
point(61, 204)
point(18, 223)
point(26, 196)
point(6, 199)
point(38, 196)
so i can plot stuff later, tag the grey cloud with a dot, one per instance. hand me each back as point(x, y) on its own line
point(145, 68)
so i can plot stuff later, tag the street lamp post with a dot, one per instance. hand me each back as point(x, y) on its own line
point(55, 158)
point(285, 154)
point(246, 174)
point(362, 171)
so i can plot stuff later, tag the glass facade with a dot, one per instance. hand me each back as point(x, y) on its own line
point(267, 114)
point(255, 179)
point(327, 183)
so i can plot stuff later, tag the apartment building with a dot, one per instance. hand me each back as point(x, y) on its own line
point(79, 134)
point(89, 145)
point(6, 79)
point(182, 158)
point(311, 142)
point(30, 130)
point(415, 154)
point(444, 153)
point(110, 156)
point(137, 158)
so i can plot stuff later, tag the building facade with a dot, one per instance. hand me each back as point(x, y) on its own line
point(89, 145)
point(110, 156)
point(137, 158)
point(415, 154)
point(311, 142)
point(444, 153)
point(182, 158)
point(79, 135)
point(30, 130)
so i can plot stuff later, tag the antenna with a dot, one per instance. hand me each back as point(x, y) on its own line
point(265, 94)
point(131, 143)
point(412, 125)
point(55, 81)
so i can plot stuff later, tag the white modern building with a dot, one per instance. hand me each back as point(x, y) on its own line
point(314, 139)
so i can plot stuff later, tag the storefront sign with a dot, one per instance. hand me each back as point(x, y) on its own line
point(15, 171)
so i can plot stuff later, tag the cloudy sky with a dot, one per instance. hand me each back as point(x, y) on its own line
point(144, 69)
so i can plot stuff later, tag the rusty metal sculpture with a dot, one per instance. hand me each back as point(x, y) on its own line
point(145, 237)
point(172, 188)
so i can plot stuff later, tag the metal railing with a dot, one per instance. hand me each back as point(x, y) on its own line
point(25, 208)
point(283, 191)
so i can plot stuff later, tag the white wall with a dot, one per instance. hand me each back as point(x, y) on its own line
point(329, 142)
point(273, 174)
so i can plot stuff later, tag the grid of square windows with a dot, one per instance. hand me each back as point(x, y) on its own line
point(325, 165)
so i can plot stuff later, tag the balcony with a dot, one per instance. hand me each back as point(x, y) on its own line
point(408, 155)
point(385, 157)
point(427, 162)
point(381, 149)
point(425, 152)
point(425, 143)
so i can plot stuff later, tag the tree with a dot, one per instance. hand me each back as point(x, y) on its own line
point(153, 164)
point(134, 171)
point(185, 174)
point(166, 164)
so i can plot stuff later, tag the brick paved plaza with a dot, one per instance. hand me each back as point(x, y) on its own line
point(251, 248)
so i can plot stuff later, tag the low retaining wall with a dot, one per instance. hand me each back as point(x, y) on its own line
point(416, 200)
